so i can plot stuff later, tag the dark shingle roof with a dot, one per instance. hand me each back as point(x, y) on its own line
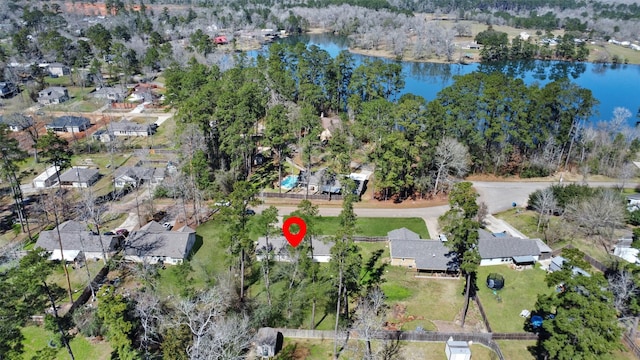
point(67, 120)
point(127, 126)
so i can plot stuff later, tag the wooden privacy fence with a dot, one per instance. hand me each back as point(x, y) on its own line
point(485, 339)
point(86, 294)
point(631, 345)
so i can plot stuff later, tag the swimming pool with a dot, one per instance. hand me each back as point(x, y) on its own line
point(289, 182)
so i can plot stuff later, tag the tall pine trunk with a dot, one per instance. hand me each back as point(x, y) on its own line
point(466, 299)
point(242, 275)
point(335, 342)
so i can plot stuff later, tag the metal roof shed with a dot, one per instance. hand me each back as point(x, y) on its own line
point(457, 350)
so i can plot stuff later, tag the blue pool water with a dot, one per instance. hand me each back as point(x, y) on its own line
point(289, 182)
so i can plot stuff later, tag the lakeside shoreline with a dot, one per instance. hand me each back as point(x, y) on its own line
point(386, 54)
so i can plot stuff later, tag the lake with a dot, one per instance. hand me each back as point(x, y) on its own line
point(613, 85)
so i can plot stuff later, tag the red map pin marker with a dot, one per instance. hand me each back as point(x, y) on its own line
point(294, 239)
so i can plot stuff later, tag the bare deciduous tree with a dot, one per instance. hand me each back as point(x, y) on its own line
point(451, 157)
point(599, 215)
point(545, 205)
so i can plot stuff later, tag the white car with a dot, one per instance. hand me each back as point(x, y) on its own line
point(222, 203)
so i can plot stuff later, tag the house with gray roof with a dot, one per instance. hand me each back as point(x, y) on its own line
point(423, 255)
point(67, 123)
point(78, 177)
point(129, 128)
point(77, 240)
point(112, 93)
point(57, 69)
point(16, 122)
point(280, 249)
point(154, 244)
point(402, 234)
point(500, 248)
point(53, 95)
point(136, 175)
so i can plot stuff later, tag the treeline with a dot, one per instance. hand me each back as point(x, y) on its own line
point(496, 47)
point(529, 130)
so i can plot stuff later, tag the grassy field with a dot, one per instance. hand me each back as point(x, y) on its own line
point(329, 225)
point(36, 338)
point(520, 292)
point(520, 350)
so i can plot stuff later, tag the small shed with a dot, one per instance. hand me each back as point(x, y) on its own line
point(268, 342)
point(457, 350)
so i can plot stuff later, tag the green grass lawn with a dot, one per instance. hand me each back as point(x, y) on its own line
point(519, 293)
point(328, 225)
point(78, 276)
point(36, 338)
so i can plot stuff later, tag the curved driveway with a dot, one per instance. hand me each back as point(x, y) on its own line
point(498, 196)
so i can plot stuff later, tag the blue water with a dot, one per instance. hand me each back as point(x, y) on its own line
point(612, 85)
point(289, 182)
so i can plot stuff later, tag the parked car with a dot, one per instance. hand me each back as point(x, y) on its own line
point(109, 233)
point(249, 212)
point(222, 203)
point(168, 225)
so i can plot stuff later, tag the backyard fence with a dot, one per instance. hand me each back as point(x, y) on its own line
point(370, 238)
point(485, 339)
point(592, 261)
point(484, 315)
point(631, 344)
point(86, 294)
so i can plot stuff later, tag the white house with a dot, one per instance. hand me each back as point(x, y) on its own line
point(58, 69)
point(457, 350)
point(129, 128)
point(499, 248)
point(46, 179)
point(154, 244)
point(68, 123)
point(280, 249)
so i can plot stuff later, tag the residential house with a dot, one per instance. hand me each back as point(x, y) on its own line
point(557, 263)
point(16, 122)
point(78, 177)
point(58, 69)
point(8, 89)
point(129, 128)
point(68, 123)
point(47, 178)
point(103, 136)
point(53, 95)
point(268, 342)
point(407, 249)
point(136, 175)
point(633, 202)
point(500, 248)
point(431, 256)
point(280, 249)
point(624, 251)
point(155, 244)
point(113, 93)
point(457, 350)
point(77, 241)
